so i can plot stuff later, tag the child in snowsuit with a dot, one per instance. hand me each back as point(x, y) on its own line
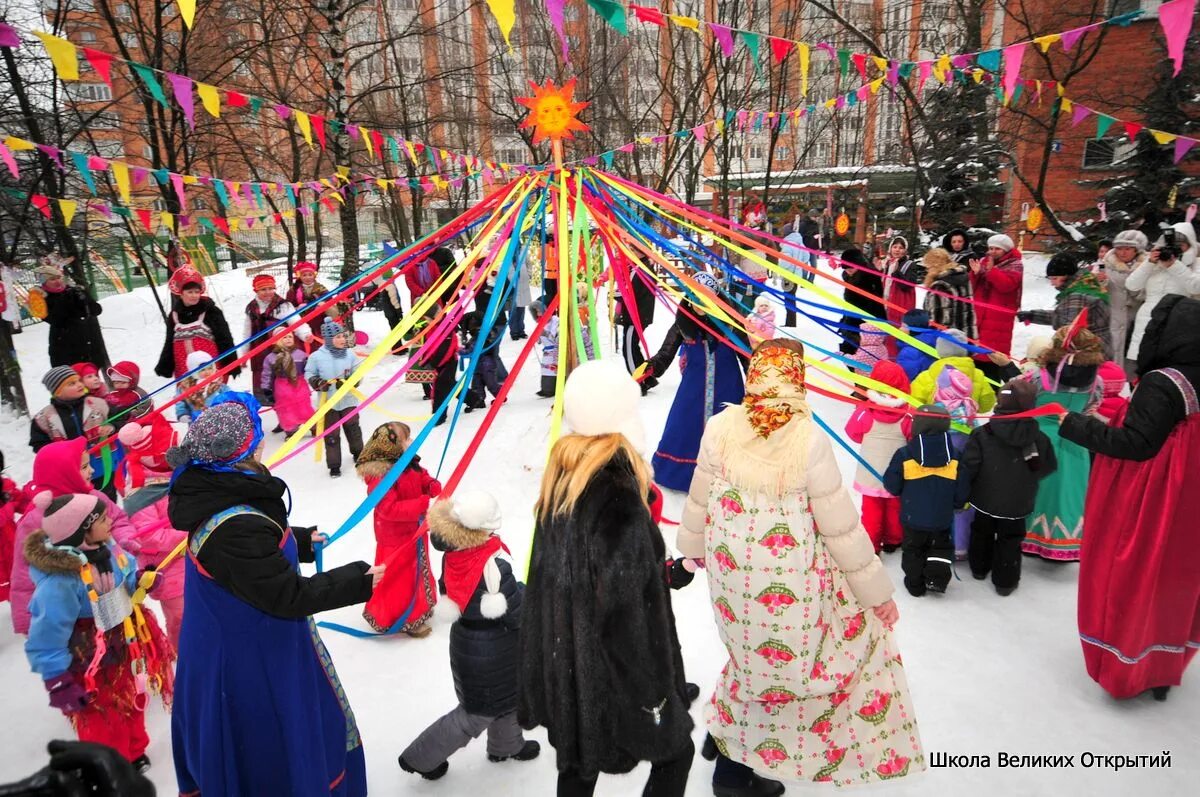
point(954, 392)
point(327, 368)
point(760, 324)
point(284, 386)
point(1112, 408)
point(952, 350)
point(195, 403)
point(484, 655)
point(490, 372)
point(1005, 460)
point(81, 613)
point(931, 483)
point(547, 349)
point(880, 432)
point(443, 360)
point(910, 358)
point(73, 413)
point(14, 502)
point(144, 480)
point(872, 348)
point(398, 518)
point(126, 401)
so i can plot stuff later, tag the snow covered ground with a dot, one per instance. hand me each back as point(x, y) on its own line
point(988, 674)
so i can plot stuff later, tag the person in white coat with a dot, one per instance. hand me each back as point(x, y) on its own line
point(1128, 253)
point(1164, 273)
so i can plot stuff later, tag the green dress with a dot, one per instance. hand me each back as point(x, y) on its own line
point(1054, 530)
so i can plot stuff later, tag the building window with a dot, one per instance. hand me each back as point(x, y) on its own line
point(87, 37)
point(123, 11)
point(105, 121)
point(404, 5)
point(90, 92)
point(1106, 153)
point(757, 152)
point(130, 40)
point(148, 152)
point(82, 5)
point(510, 155)
point(411, 65)
point(783, 152)
point(1126, 6)
point(822, 153)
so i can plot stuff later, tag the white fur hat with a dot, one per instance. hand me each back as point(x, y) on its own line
point(602, 398)
point(1001, 241)
point(475, 510)
point(197, 359)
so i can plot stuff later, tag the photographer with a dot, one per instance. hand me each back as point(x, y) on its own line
point(1169, 270)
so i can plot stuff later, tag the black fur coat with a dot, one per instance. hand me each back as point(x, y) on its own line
point(600, 662)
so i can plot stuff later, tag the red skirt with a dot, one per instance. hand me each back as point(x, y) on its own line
point(408, 592)
point(1139, 576)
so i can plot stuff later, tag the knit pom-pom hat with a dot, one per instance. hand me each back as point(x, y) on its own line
point(475, 509)
point(68, 518)
point(602, 398)
point(1114, 378)
point(225, 433)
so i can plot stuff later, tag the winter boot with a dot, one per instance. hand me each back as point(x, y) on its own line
point(709, 749)
point(1005, 591)
point(1160, 693)
point(530, 751)
point(432, 774)
point(142, 763)
point(731, 779)
point(335, 473)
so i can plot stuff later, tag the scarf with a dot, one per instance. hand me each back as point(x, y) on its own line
point(462, 570)
point(386, 445)
point(1087, 284)
point(774, 389)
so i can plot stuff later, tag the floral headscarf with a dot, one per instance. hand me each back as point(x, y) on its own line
point(774, 388)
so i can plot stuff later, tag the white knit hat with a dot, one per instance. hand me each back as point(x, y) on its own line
point(198, 359)
point(1001, 241)
point(602, 398)
point(475, 510)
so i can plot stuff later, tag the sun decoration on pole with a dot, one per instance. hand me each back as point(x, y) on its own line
point(552, 111)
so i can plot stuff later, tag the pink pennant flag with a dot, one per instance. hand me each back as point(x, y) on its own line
point(724, 36)
point(8, 36)
point(1079, 113)
point(893, 73)
point(53, 153)
point(102, 208)
point(97, 164)
point(9, 161)
point(840, 102)
point(1012, 67)
point(1176, 18)
point(925, 71)
point(626, 147)
point(659, 139)
point(961, 61)
point(177, 183)
point(248, 193)
point(1182, 147)
point(742, 116)
point(249, 222)
point(863, 92)
point(699, 132)
point(182, 86)
point(283, 111)
point(557, 18)
point(140, 175)
point(1070, 37)
point(305, 210)
point(352, 131)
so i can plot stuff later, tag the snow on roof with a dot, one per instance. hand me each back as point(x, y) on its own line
point(805, 186)
point(880, 168)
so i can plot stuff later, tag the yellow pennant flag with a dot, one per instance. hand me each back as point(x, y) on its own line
point(18, 144)
point(977, 75)
point(62, 55)
point(1045, 41)
point(881, 63)
point(305, 126)
point(942, 67)
point(190, 179)
point(366, 137)
point(1067, 105)
point(233, 225)
point(120, 173)
point(1163, 138)
point(168, 219)
point(439, 181)
point(210, 98)
point(506, 15)
point(338, 196)
point(691, 23)
point(875, 84)
point(67, 207)
point(720, 126)
point(344, 173)
point(412, 151)
point(802, 50)
point(830, 103)
point(187, 10)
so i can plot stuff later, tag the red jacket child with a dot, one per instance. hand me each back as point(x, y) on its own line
point(997, 284)
point(1112, 408)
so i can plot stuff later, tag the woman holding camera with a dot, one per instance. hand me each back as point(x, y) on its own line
point(1171, 269)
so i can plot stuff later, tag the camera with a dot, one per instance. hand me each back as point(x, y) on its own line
point(1169, 248)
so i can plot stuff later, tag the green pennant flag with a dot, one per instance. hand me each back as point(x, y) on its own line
point(107, 459)
point(1016, 95)
point(608, 159)
point(291, 192)
point(394, 148)
point(905, 70)
point(256, 104)
point(1102, 124)
point(147, 77)
point(752, 42)
point(989, 60)
point(613, 14)
point(121, 211)
point(843, 62)
point(852, 99)
point(81, 166)
point(258, 194)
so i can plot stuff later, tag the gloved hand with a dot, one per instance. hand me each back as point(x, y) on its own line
point(678, 576)
point(1024, 316)
point(66, 693)
point(100, 770)
point(317, 383)
point(268, 397)
point(148, 578)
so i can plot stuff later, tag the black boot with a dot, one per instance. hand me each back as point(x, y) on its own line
point(1005, 591)
point(432, 774)
point(731, 779)
point(709, 748)
point(142, 763)
point(528, 752)
point(1160, 693)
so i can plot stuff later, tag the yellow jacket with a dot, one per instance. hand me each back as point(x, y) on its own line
point(924, 386)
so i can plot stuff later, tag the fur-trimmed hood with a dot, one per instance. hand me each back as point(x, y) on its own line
point(50, 559)
point(450, 535)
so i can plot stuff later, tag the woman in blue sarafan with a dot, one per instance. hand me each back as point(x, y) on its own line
point(712, 378)
point(258, 706)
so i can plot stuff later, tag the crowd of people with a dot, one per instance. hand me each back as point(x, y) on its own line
point(964, 454)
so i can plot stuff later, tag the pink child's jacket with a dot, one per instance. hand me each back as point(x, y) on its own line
point(761, 326)
point(157, 539)
point(880, 433)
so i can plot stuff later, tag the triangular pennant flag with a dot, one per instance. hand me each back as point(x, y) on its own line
point(1103, 122)
point(143, 215)
point(42, 203)
point(608, 159)
point(1182, 147)
point(803, 51)
point(366, 137)
point(67, 208)
point(941, 69)
point(62, 55)
point(1132, 129)
point(187, 10)
point(860, 63)
point(53, 153)
point(236, 99)
point(1176, 19)
point(101, 63)
point(167, 219)
point(147, 76)
point(305, 126)
point(691, 23)
point(182, 86)
point(699, 132)
point(612, 13)
point(905, 69)
point(210, 98)
point(851, 98)
point(1045, 41)
point(875, 84)
point(926, 70)
point(8, 36)
point(1162, 137)
point(724, 36)
point(177, 184)
point(1070, 37)
point(11, 162)
point(506, 15)
point(120, 173)
point(780, 48)
point(843, 57)
point(377, 140)
point(222, 194)
point(880, 62)
point(222, 224)
point(1012, 67)
point(752, 42)
point(650, 16)
point(1079, 114)
point(989, 60)
point(557, 11)
point(319, 129)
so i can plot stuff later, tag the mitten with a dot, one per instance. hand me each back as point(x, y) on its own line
point(1024, 316)
point(317, 383)
point(678, 576)
point(66, 693)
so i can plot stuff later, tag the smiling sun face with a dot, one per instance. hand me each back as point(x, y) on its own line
point(552, 111)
